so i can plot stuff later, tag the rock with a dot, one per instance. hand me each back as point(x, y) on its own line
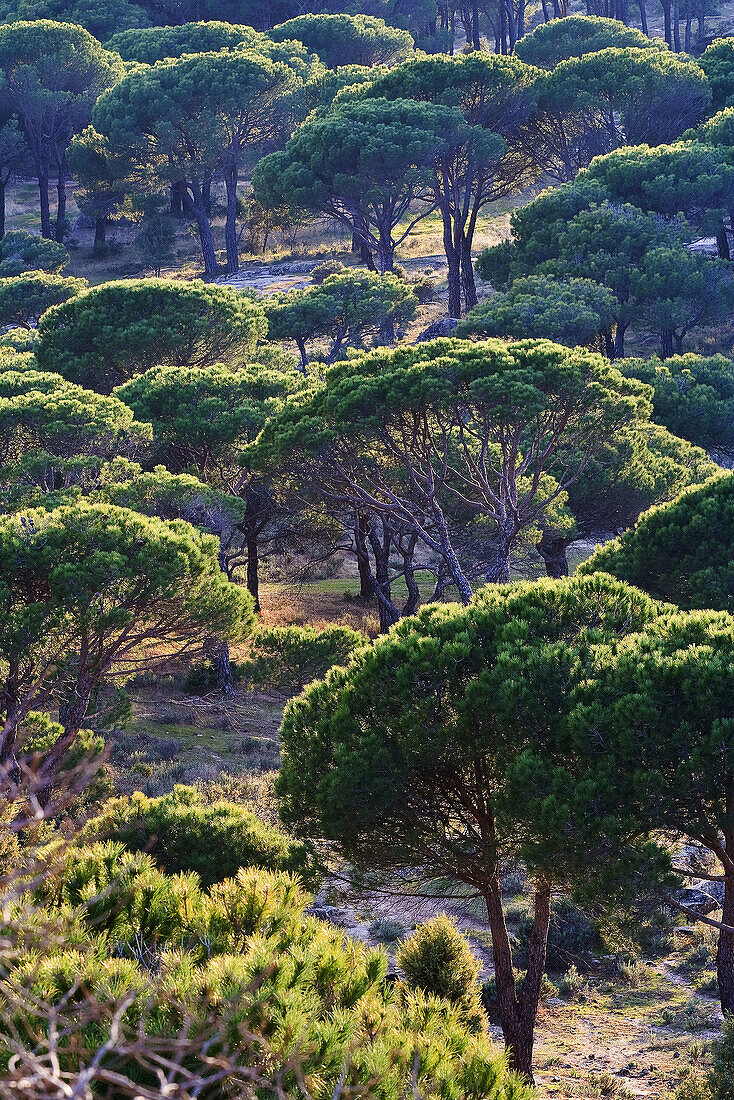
point(699, 898)
point(298, 267)
point(443, 327)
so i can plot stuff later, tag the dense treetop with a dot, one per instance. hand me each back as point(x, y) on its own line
point(347, 39)
point(113, 331)
point(577, 35)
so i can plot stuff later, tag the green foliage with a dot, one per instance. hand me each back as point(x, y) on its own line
point(655, 95)
point(721, 1078)
point(101, 18)
point(717, 61)
point(151, 44)
point(575, 36)
point(438, 959)
point(687, 178)
point(156, 242)
point(120, 329)
point(24, 298)
point(344, 308)
point(679, 552)
point(347, 39)
point(572, 937)
point(89, 587)
point(204, 416)
point(182, 833)
point(693, 397)
point(363, 163)
point(442, 690)
point(570, 312)
point(658, 283)
point(289, 657)
point(54, 73)
point(245, 969)
point(21, 252)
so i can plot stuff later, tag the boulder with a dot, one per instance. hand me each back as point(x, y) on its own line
point(444, 327)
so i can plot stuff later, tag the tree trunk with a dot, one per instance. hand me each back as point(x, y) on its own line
point(414, 594)
point(619, 341)
point(71, 716)
point(457, 574)
point(676, 25)
point(504, 975)
point(532, 982)
point(253, 569)
point(100, 230)
point(194, 205)
point(725, 952)
point(453, 260)
point(177, 199)
point(223, 667)
point(643, 15)
point(476, 44)
point(665, 4)
point(722, 243)
point(3, 186)
point(467, 274)
point(552, 549)
point(498, 570)
point(230, 230)
point(44, 202)
point(666, 344)
point(388, 612)
point(366, 580)
point(61, 200)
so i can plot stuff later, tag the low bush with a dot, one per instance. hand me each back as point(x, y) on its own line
point(182, 833)
point(234, 991)
point(437, 959)
point(572, 937)
point(289, 657)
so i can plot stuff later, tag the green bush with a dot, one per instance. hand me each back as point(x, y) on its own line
point(721, 1078)
point(116, 951)
point(182, 833)
point(437, 959)
point(572, 937)
point(289, 657)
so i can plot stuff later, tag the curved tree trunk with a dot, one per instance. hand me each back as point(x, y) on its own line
point(552, 549)
point(194, 205)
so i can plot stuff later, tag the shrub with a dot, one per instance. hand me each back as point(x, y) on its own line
point(437, 959)
point(21, 251)
point(572, 937)
point(184, 834)
point(138, 969)
point(324, 270)
point(721, 1078)
point(289, 657)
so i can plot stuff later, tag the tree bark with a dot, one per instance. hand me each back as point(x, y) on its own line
point(194, 204)
point(468, 282)
point(253, 569)
point(388, 612)
point(3, 186)
point(722, 243)
point(230, 230)
point(725, 952)
point(42, 176)
point(100, 230)
point(61, 201)
point(366, 580)
point(552, 549)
